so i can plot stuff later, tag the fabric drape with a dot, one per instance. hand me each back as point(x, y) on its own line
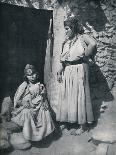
point(48, 60)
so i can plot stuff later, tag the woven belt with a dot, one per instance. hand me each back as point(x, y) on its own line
point(80, 61)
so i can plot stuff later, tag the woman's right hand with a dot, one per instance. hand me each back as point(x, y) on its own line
point(59, 77)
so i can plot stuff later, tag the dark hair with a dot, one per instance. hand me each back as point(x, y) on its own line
point(25, 78)
point(74, 24)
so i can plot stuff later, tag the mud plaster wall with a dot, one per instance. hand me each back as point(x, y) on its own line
point(99, 20)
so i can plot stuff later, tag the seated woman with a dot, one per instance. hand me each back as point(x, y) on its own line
point(31, 107)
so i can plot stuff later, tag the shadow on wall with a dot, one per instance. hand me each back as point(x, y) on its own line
point(90, 12)
point(100, 92)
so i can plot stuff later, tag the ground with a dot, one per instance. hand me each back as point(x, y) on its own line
point(66, 144)
point(63, 145)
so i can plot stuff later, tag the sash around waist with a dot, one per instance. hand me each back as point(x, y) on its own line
point(80, 61)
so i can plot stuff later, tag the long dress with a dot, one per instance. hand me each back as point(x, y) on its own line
point(36, 121)
point(74, 104)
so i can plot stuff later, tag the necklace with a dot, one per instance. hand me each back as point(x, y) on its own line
point(72, 41)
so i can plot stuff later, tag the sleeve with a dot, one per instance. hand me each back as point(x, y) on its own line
point(19, 93)
point(16, 98)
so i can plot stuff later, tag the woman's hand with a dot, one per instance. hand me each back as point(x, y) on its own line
point(26, 104)
point(32, 106)
point(14, 113)
point(59, 77)
point(65, 57)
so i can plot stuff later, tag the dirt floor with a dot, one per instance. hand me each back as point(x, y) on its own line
point(64, 144)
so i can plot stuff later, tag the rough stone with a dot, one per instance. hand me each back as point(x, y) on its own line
point(105, 134)
point(112, 149)
point(6, 108)
point(104, 7)
point(34, 150)
point(11, 127)
point(105, 131)
point(102, 149)
point(4, 144)
point(4, 139)
point(18, 142)
point(114, 39)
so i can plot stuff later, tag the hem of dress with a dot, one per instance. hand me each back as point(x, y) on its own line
point(34, 138)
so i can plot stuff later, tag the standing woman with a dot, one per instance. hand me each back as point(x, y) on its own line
point(74, 105)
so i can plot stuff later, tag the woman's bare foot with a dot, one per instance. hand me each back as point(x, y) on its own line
point(73, 132)
point(79, 131)
point(62, 127)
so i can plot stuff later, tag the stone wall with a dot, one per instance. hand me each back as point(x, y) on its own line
point(37, 4)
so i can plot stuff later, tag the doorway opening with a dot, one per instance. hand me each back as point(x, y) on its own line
point(23, 40)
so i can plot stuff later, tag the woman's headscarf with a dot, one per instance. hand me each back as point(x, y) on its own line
point(29, 69)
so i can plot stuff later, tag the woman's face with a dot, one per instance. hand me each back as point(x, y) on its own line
point(32, 77)
point(69, 32)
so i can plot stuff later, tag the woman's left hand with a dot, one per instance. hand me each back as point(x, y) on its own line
point(14, 113)
point(26, 104)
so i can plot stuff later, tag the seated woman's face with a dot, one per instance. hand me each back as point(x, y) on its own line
point(69, 32)
point(32, 77)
